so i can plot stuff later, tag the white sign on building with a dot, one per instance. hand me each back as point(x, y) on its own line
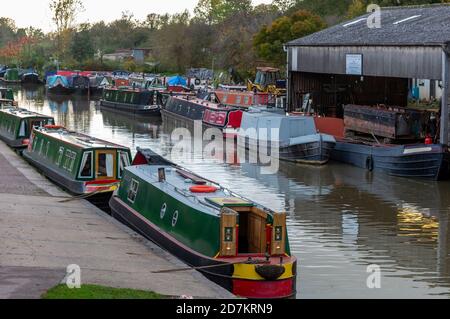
point(354, 64)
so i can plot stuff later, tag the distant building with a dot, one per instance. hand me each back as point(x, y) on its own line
point(354, 63)
point(137, 54)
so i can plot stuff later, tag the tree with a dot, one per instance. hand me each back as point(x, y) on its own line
point(65, 12)
point(64, 15)
point(216, 11)
point(82, 47)
point(356, 8)
point(269, 42)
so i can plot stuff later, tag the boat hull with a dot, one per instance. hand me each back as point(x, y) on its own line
point(133, 109)
point(60, 90)
point(30, 79)
point(414, 161)
point(315, 152)
point(13, 143)
point(221, 275)
point(74, 187)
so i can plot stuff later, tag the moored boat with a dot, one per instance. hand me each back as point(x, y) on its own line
point(58, 84)
point(81, 164)
point(228, 119)
point(288, 138)
point(413, 160)
point(233, 241)
point(132, 101)
point(16, 125)
point(80, 84)
point(29, 77)
point(6, 97)
point(11, 76)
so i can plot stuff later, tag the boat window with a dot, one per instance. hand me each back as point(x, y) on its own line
point(47, 149)
point(69, 160)
point(60, 155)
point(86, 165)
point(124, 161)
point(132, 193)
point(23, 129)
point(35, 143)
point(105, 165)
point(41, 147)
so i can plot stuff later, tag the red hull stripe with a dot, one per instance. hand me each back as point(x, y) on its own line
point(263, 289)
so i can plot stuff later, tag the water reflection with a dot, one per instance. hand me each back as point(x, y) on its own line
point(341, 219)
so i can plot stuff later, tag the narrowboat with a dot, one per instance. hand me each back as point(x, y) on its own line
point(11, 76)
point(79, 163)
point(212, 114)
point(130, 101)
point(288, 138)
point(16, 125)
point(236, 243)
point(29, 77)
point(249, 99)
point(411, 160)
point(58, 84)
point(80, 84)
point(6, 97)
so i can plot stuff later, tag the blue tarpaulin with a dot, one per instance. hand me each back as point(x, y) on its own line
point(177, 80)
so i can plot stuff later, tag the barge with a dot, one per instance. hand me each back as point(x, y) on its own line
point(412, 160)
point(132, 101)
point(81, 164)
point(288, 138)
point(233, 241)
point(16, 125)
point(211, 114)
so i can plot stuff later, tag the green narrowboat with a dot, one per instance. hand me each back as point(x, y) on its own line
point(79, 163)
point(16, 125)
point(12, 76)
point(233, 241)
point(137, 102)
point(6, 97)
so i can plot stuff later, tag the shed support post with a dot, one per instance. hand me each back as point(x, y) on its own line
point(444, 138)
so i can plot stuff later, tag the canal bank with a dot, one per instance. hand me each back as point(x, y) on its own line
point(40, 236)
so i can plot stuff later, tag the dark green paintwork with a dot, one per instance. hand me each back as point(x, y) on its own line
point(10, 123)
point(196, 229)
point(47, 150)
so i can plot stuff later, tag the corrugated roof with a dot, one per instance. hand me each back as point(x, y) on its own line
point(400, 26)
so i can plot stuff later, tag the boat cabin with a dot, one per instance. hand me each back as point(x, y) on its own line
point(80, 163)
point(221, 223)
point(16, 125)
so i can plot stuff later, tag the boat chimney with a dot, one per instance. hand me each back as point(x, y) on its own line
point(161, 175)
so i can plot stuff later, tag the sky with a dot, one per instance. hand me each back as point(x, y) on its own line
point(36, 13)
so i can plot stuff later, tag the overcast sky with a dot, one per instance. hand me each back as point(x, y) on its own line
point(37, 13)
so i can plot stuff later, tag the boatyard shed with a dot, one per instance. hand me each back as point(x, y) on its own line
point(373, 60)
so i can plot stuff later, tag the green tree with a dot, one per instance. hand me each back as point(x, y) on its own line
point(269, 42)
point(64, 15)
point(82, 47)
point(216, 11)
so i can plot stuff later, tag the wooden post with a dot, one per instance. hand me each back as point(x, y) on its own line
point(444, 101)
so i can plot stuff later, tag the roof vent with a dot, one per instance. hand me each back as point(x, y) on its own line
point(407, 19)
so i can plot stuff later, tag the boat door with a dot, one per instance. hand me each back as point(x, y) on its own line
point(106, 167)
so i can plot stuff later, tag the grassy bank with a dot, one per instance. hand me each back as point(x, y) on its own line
point(98, 292)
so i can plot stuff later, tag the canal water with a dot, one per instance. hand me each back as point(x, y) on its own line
point(345, 224)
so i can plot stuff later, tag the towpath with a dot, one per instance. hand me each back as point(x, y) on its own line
point(40, 237)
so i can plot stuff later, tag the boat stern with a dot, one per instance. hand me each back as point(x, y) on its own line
point(273, 279)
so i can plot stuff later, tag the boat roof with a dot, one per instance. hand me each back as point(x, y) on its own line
point(78, 139)
point(208, 104)
point(23, 113)
point(178, 186)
